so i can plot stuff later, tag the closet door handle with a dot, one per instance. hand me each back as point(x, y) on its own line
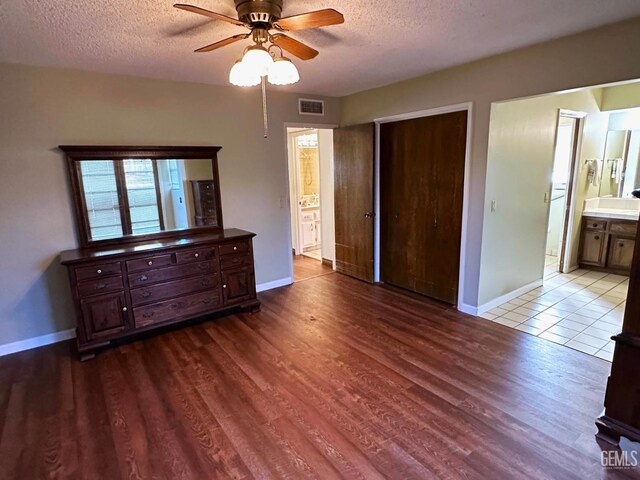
point(369, 215)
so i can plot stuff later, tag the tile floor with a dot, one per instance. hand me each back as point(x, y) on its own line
point(315, 253)
point(581, 310)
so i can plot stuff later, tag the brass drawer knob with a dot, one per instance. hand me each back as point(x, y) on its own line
point(124, 309)
point(98, 271)
point(224, 286)
point(235, 248)
point(596, 237)
point(196, 255)
point(150, 263)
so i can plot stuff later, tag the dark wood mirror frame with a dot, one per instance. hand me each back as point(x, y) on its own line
point(77, 153)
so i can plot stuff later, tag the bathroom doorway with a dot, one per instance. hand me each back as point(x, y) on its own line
point(561, 196)
point(310, 152)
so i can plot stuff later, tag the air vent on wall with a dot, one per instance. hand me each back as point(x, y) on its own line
point(311, 107)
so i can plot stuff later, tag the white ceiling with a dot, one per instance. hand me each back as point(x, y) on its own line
point(382, 41)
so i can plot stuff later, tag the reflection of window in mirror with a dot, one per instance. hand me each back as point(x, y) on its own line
point(121, 197)
point(101, 195)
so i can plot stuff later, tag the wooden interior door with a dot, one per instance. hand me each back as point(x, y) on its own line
point(353, 152)
point(421, 186)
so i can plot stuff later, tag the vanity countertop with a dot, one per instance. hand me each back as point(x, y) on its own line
point(612, 213)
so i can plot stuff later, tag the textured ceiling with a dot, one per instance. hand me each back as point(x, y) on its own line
point(382, 41)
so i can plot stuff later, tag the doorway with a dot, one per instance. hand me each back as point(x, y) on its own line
point(561, 196)
point(310, 152)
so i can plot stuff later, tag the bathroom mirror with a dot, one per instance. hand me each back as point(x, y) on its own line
point(126, 194)
point(620, 173)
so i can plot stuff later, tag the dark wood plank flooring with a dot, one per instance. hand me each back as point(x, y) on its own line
point(334, 378)
point(305, 268)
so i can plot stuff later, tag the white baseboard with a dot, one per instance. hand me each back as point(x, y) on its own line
point(275, 284)
point(35, 342)
point(468, 309)
point(496, 302)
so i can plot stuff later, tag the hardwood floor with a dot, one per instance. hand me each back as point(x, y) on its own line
point(305, 268)
point(334, 378)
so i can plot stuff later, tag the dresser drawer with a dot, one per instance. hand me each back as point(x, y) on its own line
point(196, 255)
point(147, 263)
point(232, 261)
point(190, 305)
point(234, 248)
point(162, 291)
point(97, 286)
point(624, 228)
point(171, 273)
point(98, 271)
point(595, 224)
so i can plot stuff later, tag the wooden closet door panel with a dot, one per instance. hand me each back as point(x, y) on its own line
point(422, 179)
point(449, 196)
point(353, 186)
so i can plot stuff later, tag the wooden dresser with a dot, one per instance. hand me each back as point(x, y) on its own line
point(607, 244)
point(204, 202)
point(122, 290)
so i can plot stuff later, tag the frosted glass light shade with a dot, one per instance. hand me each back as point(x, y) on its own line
point(283, 72)
point(258, 60)
point(243, 76)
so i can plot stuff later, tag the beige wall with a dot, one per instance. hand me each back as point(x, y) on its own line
point(592, 58)
point(621, 96)
point(519, 169)
point(43, 108)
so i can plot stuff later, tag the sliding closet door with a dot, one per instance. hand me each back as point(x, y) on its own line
point(353, 155)
point(421, 188)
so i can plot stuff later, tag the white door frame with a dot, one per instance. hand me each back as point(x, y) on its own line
point(294, 196)
point(310, 126)
point(570, 199)
point(468, 107)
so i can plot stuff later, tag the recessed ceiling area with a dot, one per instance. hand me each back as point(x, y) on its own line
point(381, 42)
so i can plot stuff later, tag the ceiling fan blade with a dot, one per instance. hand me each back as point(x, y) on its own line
point(299, 49)
point(208, 13)
point(319, 18)
point(222, 43)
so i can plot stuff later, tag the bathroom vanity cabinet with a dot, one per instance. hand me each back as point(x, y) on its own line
point(607, 244)
point(310, 223)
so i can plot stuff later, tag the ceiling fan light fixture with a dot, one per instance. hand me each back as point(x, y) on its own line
point(283, 72)
point(257, 59)
point(243, 76)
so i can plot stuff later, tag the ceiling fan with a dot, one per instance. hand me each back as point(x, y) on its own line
point(266, 25)
point(263, 16)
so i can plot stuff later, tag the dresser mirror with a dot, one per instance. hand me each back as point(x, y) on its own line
point(129, 194)
point(620, 172)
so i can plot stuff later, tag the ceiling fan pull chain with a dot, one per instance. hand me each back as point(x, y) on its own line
point(264, 107)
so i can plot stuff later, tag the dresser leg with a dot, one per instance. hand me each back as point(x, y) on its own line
point(84, 356)
point(255, 308)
